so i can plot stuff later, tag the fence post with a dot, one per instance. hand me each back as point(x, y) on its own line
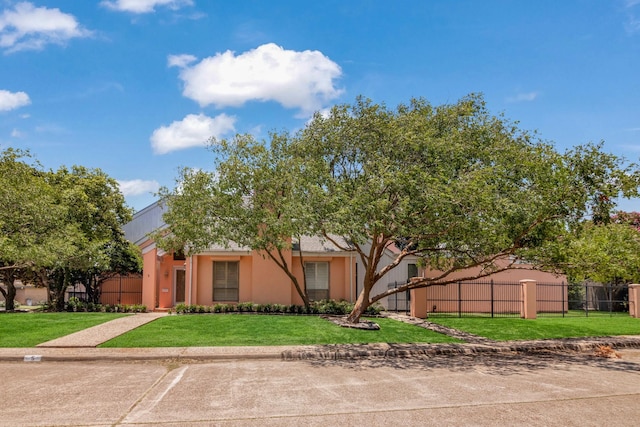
point(634, 300)
point(492, 299)
point(565, 300)
point(419, 303)
point(395, 285)
point(528, 299)
point(459, 299)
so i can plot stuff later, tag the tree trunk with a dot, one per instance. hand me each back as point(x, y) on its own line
point(361, 305)
point(10, 296)
point(8, 278)
point(57, 288)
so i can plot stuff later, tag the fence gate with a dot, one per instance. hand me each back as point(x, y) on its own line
point(124, 290)
point(400, 301)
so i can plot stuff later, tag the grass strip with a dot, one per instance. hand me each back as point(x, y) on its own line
point(507, 329)
point(30, 329)
point(265, 330)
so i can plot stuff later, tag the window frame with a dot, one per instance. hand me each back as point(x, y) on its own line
point(227, 279)
point(317, 293)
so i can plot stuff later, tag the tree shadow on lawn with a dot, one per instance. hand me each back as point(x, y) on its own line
point(503, 363)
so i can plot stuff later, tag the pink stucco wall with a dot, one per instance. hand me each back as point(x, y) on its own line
point(149, 278)
point(260, 280)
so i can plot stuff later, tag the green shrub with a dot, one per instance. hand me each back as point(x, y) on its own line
point(330, 307)
point(374, 309)
point(246, 307)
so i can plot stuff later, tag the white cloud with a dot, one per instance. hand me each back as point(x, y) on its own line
point(136, 187)
point(27, 27)
point(303, 80)
point(144, 6)
point(632, 25)
point(13, 100)
point(523, 97)
point(180, 61)
point(17, 134)
point(192, 131)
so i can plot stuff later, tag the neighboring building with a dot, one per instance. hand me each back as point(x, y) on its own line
point(27, 294)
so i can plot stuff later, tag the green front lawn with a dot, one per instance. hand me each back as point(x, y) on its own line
point(248, 330)
point(30, 329)
point(505, 329)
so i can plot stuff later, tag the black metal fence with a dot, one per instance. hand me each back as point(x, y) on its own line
point(479, 298)
point(584, 299)
point(490, 298)
point(400, 301)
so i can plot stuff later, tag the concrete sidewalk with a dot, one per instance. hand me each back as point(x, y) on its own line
point(96, 335)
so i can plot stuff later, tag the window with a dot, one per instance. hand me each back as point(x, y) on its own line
point(225, 281)
point(317, 276)
point(412, 271)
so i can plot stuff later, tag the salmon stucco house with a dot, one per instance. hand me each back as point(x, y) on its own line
point(236, 274)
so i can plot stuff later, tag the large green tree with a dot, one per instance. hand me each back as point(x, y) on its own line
point(96, 208)
point(33, 230)
point(452, 184)
point(60, 228)
point(607, 254)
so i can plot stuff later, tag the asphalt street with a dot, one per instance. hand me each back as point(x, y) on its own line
point(546, 389)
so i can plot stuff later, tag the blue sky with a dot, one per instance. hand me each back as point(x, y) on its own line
point(136, 87)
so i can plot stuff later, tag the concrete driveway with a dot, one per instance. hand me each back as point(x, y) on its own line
point(561, 389)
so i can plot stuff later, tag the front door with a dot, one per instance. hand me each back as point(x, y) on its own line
point(179, 285)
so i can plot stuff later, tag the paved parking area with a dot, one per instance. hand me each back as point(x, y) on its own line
point(485, 390)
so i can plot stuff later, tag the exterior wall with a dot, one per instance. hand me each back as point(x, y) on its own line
point(342, 280)
point(399, 274)
point(270, 284)
point(634, 300)
point(165, 280)
point(263, 282)
point(260, 280)
point(149, 278)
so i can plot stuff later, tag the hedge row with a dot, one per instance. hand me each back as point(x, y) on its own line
point(75, 305)
point(317, 307)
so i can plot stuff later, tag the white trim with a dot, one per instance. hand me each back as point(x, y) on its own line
point(327, 254)
point(148, 248)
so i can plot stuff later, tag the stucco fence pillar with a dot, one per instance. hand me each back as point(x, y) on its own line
point(418, 305)
point(634, 300)
point(529, 299)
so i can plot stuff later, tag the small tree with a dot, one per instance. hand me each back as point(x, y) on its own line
point(255, 199)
